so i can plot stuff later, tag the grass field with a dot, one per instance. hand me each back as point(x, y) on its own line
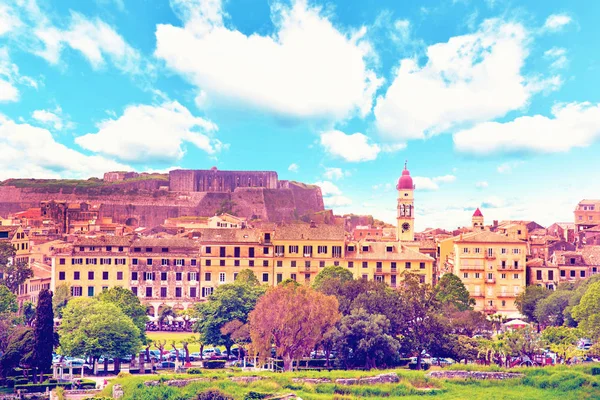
point(177, 337)
point(560, 382)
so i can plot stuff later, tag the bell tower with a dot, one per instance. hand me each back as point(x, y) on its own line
point(406, 208)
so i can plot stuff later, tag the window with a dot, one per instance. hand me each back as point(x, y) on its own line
point(503, 264)
point(61, 261)
point(134, 290)
point(76, 275)
point(164, 262)
point(421, 278)
point(77, 261)
point(177, 292)
point(75, 291)
point(582, 274)
point(251, 252)
point(279, 278)
point(563, 273)
point(279, 263)
point(193, 262)
point(164, 250)
point(91, 275)
point(105, 275)
point(550, 275)
point(178, 276)
point(365, 264)
point(490, 276)
point(119, 276)
point(251, 263)
point(207, 263)
point(207, 276)
point(293, 277)
point(516, 251)
point(422, 265)
point(207, 250)
point(378, 278)
point(293, 249)
point(61, 276)
point(321, 264)
point(148, 292)
point(134, 276)
point(572, 273)
point(221, 263)
point(137, 249)
point(515, 276)
point(477, 275)
point(336, 251)
point(465, 250)
point(180, 262)
point(307, 251)
point(503, 303)
point(265, 263)
point(279, 250)
point(265, 277)
point(236, 263)
point(407, 265)
point(149, 261)
point(350, 248)
point(365, 249)
point(477, 250)
point(389, 249)
point(503, 251)
point(307, 264)
point(193, 292)
point(265, 250)
point(236, 251)
point(393, 280)
point(503, 276)
point(221, 251)
point(465, 275)
point(293, 264)
point(350, 264)
point(321, 249)
point(163, 276)
point(192, 276)
point(365, 277)
point(516, 263)
point(235, 274)
point(148, 276)
point(221, 277)
point(163, 292)
point(207, 291)
point(572, 261)
point(92, 261)
point(134, 261)
point(379, 265)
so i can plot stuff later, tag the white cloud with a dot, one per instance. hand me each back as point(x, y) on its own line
point(52, 118)
point(556, 22)
point(45, 157)
point(293, 167)
point(335, 173)
point(332, 195)
point(444, 179)
point(10, 78)
point(353, 148)
point(470, 78)
point(424, 183)
point(8, 19)
point(481, 184)
point(307, 68)
point(94, 38)
point(571, 125)
point(151, 133)
point(508, 166)
point(558, 55)
point(493, 202)
point(401, 32)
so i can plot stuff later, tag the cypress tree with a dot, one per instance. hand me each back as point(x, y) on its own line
point(44, 333)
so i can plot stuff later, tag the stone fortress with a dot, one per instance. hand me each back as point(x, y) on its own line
point(148, 199)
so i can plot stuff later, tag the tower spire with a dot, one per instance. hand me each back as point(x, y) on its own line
point(405, 164)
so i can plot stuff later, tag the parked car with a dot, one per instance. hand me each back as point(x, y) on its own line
point(101, 360)
point(211, 353)
point(584, 344)
point(74, 362)
point(442, 361)
point(167, 364)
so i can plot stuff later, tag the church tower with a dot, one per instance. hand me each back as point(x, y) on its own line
point(477, 220)
point(405, 230)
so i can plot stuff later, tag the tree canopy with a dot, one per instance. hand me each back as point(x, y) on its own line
point(43, 332)
point(130, 304)
point(8, 300)
point(293, 319)
point(14, 273)
point(338, 273)
point(527, 300)
point(451, 290)
point(587, 312)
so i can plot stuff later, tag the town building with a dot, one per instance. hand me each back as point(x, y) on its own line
point(587, 214)
point(406, 209)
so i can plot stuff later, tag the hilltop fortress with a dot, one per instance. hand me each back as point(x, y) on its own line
point(148, 199)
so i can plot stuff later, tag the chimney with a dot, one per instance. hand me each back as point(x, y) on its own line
point(495, 223)
point(312, 224)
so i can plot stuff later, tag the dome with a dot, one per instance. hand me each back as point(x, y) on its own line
point(405, 181)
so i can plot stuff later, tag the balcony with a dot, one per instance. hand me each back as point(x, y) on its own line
point(278, 254)
point(379, 270)
point(489, 256)
point(506, 295)
point(490, 280)
point(477, 294)
point(490, 309)
point(307, 254)
point(472, 268)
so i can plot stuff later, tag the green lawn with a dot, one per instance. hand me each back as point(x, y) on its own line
point(560, 382)
point(177, 337)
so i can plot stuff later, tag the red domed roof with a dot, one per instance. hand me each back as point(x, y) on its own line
point(405, 181)
point(477, 213)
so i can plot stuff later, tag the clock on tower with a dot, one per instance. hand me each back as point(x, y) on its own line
point(406, 216)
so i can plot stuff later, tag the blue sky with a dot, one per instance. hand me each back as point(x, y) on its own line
point(494, 103)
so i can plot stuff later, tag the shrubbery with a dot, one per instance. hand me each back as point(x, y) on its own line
point(194, 371)
point(213, 394)
point(214, 364)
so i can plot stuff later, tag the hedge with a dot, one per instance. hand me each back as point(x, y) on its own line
point(194, 371)
point(40, 387)
point(214, 364)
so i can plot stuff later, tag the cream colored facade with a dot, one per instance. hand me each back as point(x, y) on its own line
point(492, 267)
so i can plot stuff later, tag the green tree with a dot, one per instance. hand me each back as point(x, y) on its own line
point(8, 300)
point(15, 273)
point(364, 339)
point(247, 276)
point(227, 207)
point(550, 311)
point(130, 304)
point(229, 302)
point(28, 310)
point(527, 300)
point(587, 312)
point(421, 324)
point(562, 340)
point(19, 351)
point(339, 274)
point(451, 290)
point(164, 314)
point(523, 342)
point(43, 333)
point(95, 328)
point(61, 297)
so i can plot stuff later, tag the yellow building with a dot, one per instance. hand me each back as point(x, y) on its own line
point(302, 250)
point(225, 252)
point(91, 265)
point(20, 241)
point(492, 267)
point(387, 261)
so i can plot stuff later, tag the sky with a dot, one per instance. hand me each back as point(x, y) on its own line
point(493, 103)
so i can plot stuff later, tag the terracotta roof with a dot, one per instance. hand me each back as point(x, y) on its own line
point(593, 229)
point(306, 232)
point(107, 240)
point(477, 213)
point(228, 235)
point(486, 237)
point(536, 262)
point(591, 255)
point(378, 251)
point(166, 242)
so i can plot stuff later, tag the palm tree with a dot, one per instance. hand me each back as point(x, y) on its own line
point(163, 315)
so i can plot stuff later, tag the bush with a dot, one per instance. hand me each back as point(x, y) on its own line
point(213, 394)
point(40, 388)
point(123, 374)
point(595, 371)
point(214, 364)
point(255, 396)
point(424, 366)
point(194, 371)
